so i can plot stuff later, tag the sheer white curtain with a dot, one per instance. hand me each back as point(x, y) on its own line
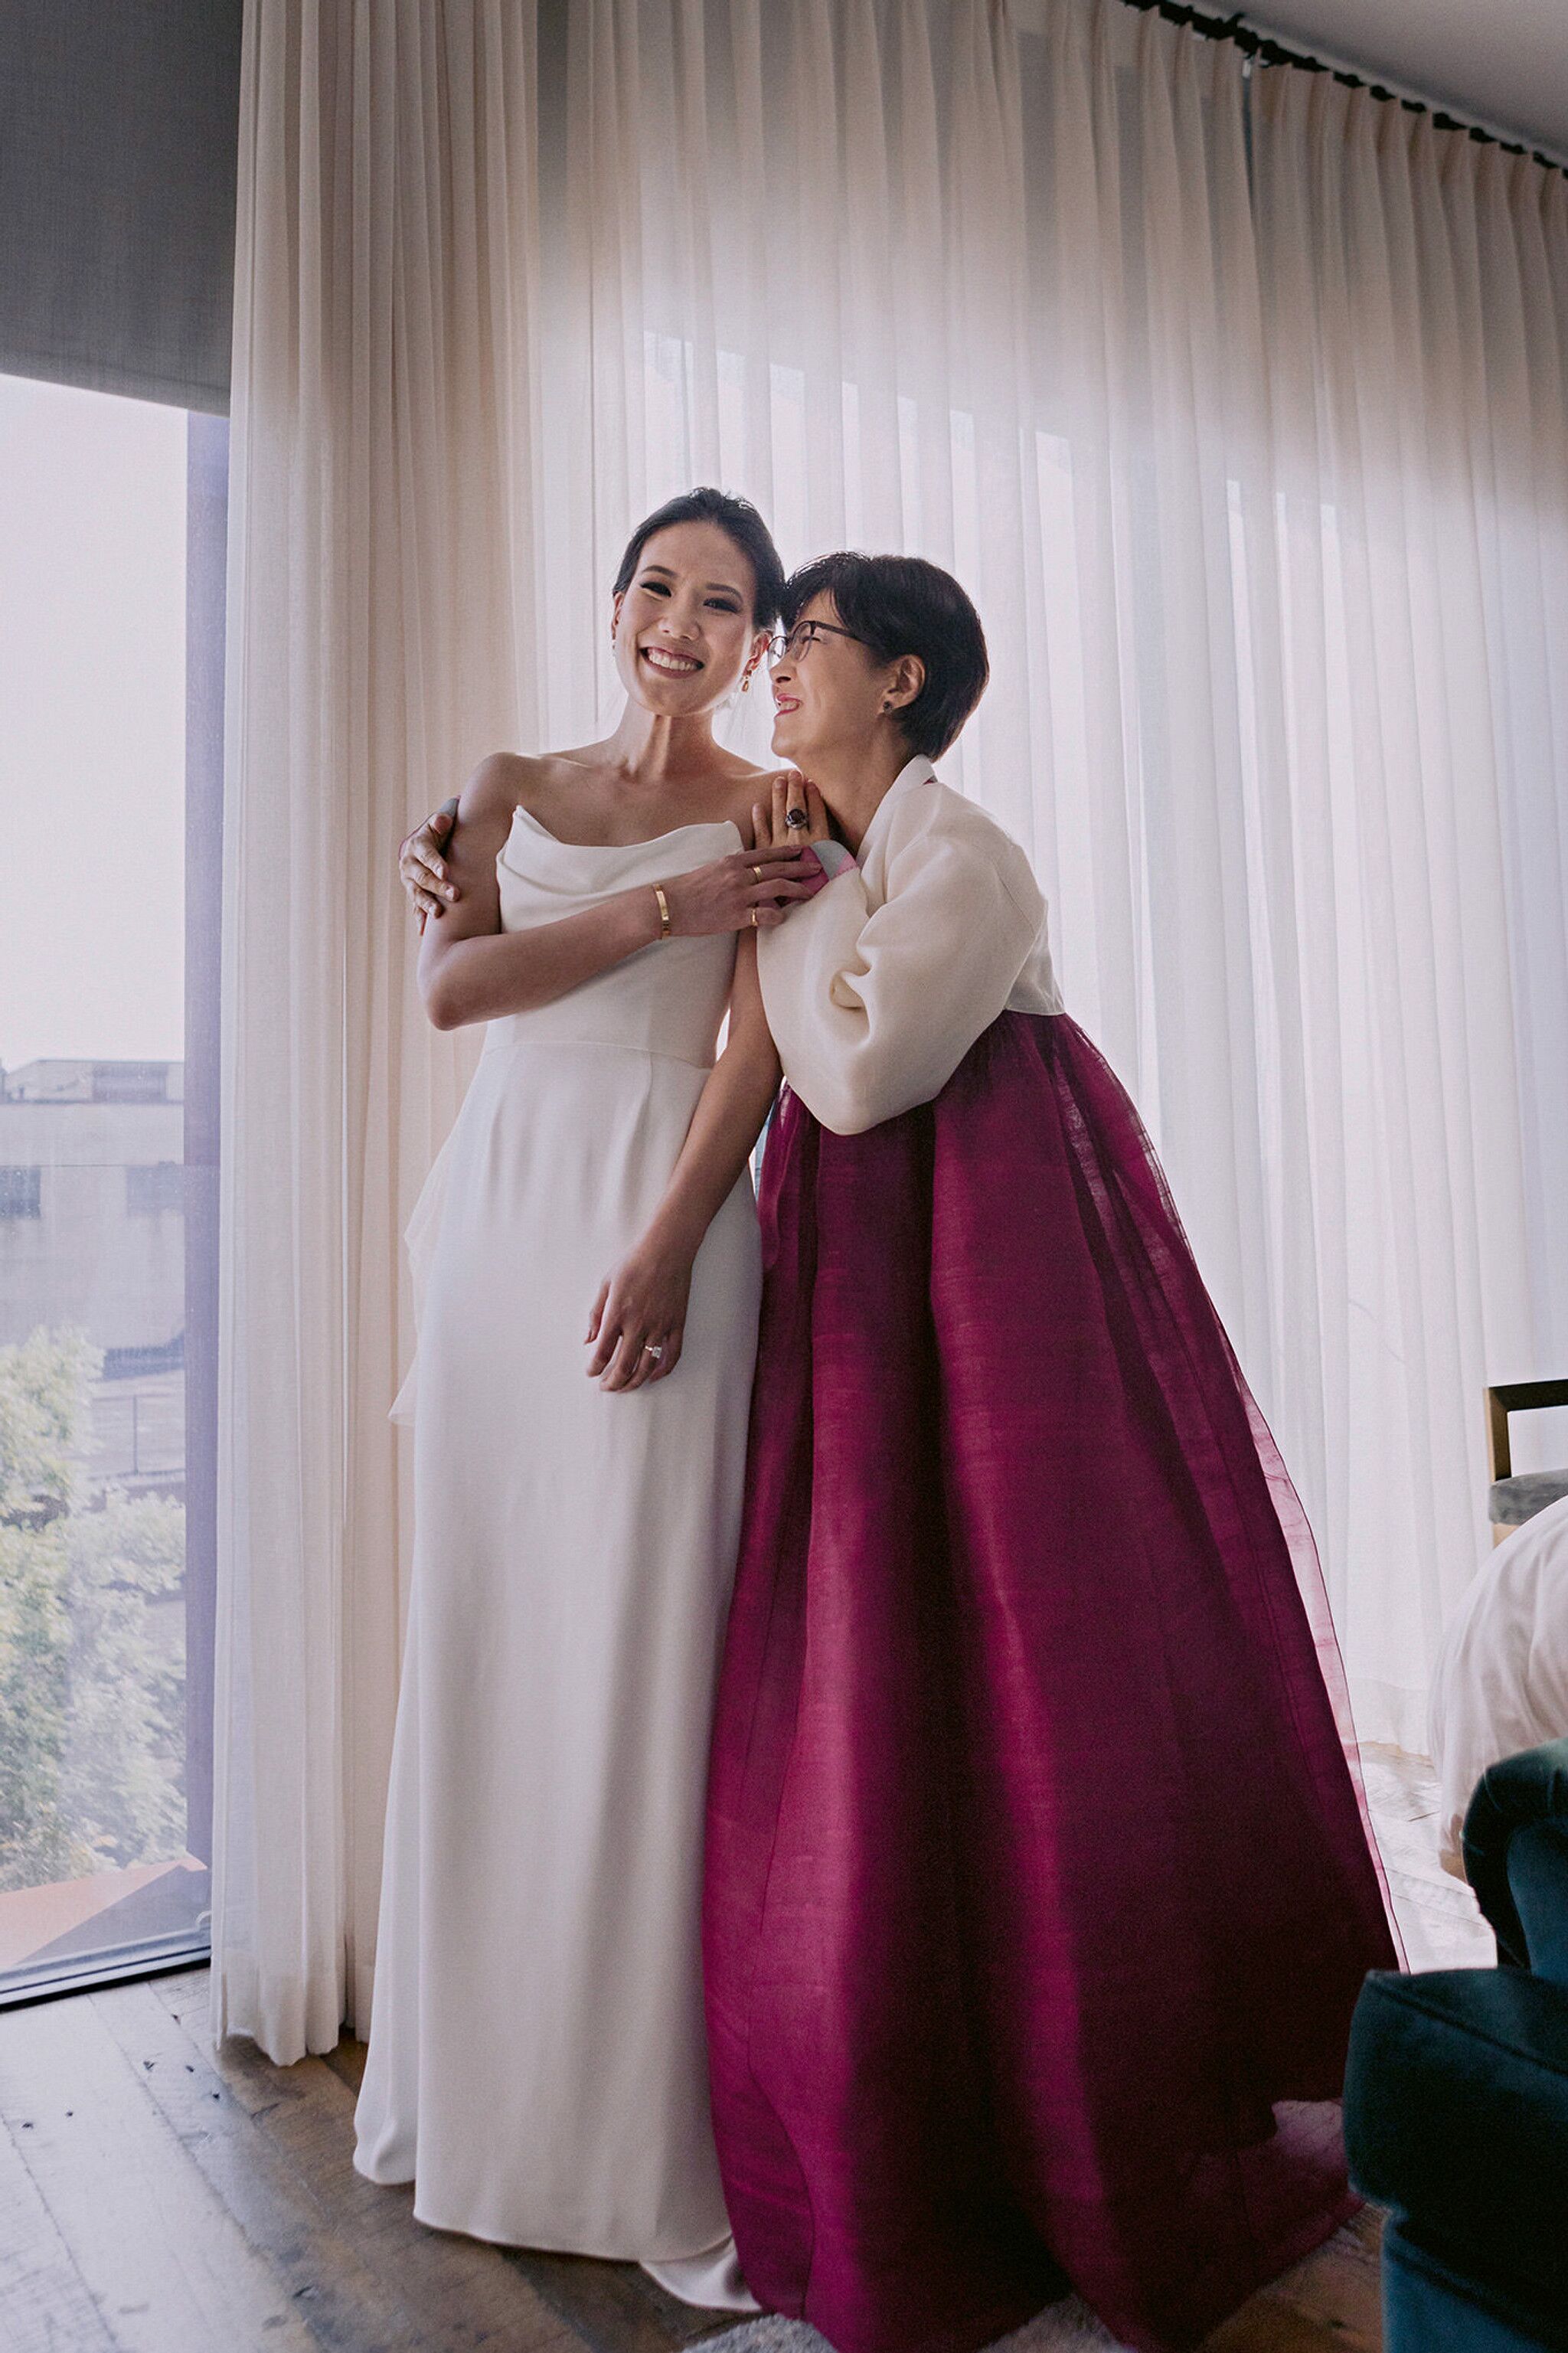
point(1239, 404)
point(383, 543)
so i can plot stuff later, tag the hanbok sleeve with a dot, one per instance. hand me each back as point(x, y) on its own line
point(873, 1008)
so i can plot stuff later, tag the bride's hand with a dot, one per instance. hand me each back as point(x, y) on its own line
point(742, 890)
point(641, 1308)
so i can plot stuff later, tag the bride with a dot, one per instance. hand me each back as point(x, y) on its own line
point(537, 2064)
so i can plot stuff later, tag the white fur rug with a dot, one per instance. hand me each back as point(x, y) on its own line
point(1068, 2324)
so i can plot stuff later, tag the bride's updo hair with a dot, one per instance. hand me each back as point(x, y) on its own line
point(903, 605)
point(739, 521)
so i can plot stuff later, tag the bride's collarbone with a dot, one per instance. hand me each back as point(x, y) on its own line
point(589, 812)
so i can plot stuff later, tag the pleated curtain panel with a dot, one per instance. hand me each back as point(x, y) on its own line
point(1237, 398)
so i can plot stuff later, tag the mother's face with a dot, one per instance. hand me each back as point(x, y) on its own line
point(831, 692)
point(684, 635)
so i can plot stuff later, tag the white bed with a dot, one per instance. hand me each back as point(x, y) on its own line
point(1502, 1681)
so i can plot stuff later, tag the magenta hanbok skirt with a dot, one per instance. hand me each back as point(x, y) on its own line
point(1039, 1882)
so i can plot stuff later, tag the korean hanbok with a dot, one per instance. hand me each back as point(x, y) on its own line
point(1040, 1885)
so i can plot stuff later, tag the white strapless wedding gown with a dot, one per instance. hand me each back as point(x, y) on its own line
point(537, 2065)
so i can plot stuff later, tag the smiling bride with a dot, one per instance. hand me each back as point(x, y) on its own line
point(537, 2066)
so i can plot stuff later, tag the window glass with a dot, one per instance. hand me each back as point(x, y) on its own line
point(104, 1730)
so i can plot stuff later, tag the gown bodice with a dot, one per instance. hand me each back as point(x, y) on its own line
point(671, 997)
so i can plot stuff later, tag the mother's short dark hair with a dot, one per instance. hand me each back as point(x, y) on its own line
point(738, 519)
point(903, 605)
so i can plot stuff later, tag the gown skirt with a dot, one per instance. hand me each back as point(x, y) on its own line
point(1039, 1885)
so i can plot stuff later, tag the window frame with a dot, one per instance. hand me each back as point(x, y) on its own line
point(206, 474)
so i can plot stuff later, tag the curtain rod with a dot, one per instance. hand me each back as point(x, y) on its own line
point(1265, 50)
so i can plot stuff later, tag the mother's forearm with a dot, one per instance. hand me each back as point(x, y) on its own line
point(480, 979)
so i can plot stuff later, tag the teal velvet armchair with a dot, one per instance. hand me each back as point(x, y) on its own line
point(1456, 2094)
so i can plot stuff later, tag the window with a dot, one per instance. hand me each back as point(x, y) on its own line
point(131, 1083)
point(111, 566)
point(21, 1192)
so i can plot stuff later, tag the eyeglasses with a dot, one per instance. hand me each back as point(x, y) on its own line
point(789, 645)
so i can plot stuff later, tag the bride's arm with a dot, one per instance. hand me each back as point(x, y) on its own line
point(471, 970)
point(644, 1298)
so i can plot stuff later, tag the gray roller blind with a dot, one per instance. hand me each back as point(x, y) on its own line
point(119, 127)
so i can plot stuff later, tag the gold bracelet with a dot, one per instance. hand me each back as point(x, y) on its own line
point(663, 912)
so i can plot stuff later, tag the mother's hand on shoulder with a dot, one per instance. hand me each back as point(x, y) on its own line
point(420, 867)
point(792, 793)
point(742, 892)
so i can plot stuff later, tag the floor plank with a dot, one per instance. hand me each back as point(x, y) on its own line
point(608, 2307)
point(1266, 2326)
point(1332, 2297)
point(166, 2265)
point(45, 2303)
point(352, 2256)
point(614, 2307)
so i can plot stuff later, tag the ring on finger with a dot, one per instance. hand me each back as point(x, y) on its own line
point(797, 817)
point(654, 1348)
point(756, 873)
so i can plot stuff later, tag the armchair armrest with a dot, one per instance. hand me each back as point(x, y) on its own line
point(1516, 1856)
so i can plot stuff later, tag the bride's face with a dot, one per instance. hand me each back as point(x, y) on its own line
point(683, 631)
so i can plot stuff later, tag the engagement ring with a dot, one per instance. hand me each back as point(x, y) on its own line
point(797, 817)
point(649, 1349)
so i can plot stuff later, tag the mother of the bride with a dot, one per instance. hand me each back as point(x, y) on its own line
point(1039, 1893)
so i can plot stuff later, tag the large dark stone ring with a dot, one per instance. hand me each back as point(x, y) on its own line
point(797, 817)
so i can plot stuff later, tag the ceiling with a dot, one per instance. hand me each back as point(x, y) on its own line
point(1503, 63)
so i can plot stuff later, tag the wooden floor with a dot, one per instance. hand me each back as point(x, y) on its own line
point(157, 2196)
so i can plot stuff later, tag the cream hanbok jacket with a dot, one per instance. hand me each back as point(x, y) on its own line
point(876, 989)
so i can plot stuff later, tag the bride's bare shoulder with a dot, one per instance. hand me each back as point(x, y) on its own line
point(747, 771)
point(749, 785)
point(503, 782)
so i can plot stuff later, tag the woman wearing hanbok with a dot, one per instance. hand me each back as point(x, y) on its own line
point(1038, 1884)
point(536, 2065)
